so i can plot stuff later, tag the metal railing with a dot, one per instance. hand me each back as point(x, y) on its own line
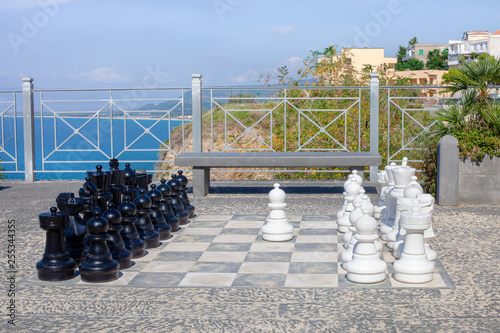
point(9, 127)
point(69, 131)
point(261, 114)
point(408, 111)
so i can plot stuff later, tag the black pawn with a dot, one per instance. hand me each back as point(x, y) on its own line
point(184, 198)
point(166, 207)
point(144, 225)
point(177, 206)
point(74, 233)
point(56, 264)
point(130, 179)
point(129, 233)
point(115, 241)
point(99, 266)
point(157, 218)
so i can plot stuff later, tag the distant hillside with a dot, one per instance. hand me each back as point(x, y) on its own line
point(188, 105)
point(247, 91)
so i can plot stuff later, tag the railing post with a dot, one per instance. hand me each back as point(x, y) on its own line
point(197, 113)
point(374, 121)
point(201, 175)
point(28, 130)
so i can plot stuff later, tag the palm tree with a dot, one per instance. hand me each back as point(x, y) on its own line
point(475, 78)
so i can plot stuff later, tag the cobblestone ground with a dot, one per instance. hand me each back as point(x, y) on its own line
point(467, 243)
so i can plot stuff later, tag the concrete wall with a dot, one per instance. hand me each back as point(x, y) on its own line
point(463, 182)
point(479, 183)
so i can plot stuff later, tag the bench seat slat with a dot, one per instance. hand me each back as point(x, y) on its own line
point(279, 159)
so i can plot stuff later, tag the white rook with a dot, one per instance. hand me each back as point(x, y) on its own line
point(414, 266)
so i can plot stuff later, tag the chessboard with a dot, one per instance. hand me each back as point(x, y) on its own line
point(228, 251)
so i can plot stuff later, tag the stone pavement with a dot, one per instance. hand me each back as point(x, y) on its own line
point(467, 243)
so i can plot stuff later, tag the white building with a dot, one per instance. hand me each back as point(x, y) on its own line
point(472, 45)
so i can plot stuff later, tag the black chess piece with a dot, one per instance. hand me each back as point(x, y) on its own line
point(130, 179)
point(99, 266)
point(176, 203)
point(115, 242)
point(143, 179)
point(74, 233)
point(116, 182)
point(89, 193)
point(144, 225)
point(157, 218)
point(100, 178)
point(184, 198)
point(129, 233)
point(166, 207)
point(56, 264)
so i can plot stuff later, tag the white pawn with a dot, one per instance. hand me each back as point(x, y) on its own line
point(357, 199)
point(366, 265)
point(277, 228)
point(356, 213)
point(414, 267)
point(349, 180)
point(357, 177)
point(351, 189)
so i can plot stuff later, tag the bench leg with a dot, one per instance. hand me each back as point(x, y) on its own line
point(201, 181)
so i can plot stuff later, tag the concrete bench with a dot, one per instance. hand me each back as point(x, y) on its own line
point(202, 162)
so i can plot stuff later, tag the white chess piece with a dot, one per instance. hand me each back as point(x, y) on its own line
point(357, 199)
point(414, 267)
point(384, 217)
point(411, 190)
point(428, 207)
point(342, 210)
point(277, 228)
point(366, 265)
point(380, 203)
point(356, 213)
point(351, 189)
point(357, 177)
point(402, 176)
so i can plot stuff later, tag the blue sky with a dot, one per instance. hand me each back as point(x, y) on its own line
point(160, 43)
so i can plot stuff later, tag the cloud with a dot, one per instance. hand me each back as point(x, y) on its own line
point(101, 75)
point(251, 75)
point(282, 30)
point(294, 62)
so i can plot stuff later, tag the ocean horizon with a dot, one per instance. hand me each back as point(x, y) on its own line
point(70, 145)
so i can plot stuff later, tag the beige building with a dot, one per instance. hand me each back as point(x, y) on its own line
point(374, 57)
point(419, 51)
point(430, 77)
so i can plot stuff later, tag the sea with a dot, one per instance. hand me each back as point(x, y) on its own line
point(69, 146)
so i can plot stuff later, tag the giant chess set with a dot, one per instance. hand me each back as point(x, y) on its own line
point(119, 232)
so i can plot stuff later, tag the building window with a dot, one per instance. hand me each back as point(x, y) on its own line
point(420, 52)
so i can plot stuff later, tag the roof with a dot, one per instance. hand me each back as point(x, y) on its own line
point(496, 32)
point(477, 32)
